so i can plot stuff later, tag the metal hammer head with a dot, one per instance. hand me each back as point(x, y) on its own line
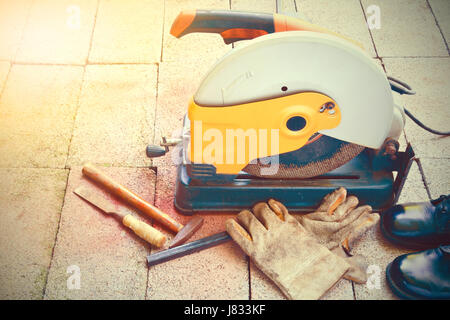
point(187, 231)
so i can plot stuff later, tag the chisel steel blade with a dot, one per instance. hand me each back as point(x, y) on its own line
point(96, 200)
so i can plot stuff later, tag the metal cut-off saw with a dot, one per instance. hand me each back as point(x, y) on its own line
point(291, 114)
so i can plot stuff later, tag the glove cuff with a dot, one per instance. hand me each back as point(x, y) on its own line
point(313, 277)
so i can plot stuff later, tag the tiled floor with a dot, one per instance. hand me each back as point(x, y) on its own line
point(86, 80)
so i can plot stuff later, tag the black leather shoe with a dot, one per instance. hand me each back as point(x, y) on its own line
point(421, 275)
point(420, 225)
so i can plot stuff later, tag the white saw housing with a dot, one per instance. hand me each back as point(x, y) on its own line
point(290, 62)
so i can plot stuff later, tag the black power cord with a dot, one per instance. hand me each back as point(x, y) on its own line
point(420, 124)
point(403, 88)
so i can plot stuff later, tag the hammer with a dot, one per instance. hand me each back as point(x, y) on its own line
point(183, 232)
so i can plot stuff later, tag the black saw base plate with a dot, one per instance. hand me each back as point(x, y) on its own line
point(362, 176)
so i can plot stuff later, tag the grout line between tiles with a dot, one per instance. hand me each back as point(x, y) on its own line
point(424, 180)
point(370, 32)
point(249, 278)
point(81, 87)
point(83, 65)
point(416, 57)
point(158, 69)
point(13, 58)
point(154, 168)
point(122, 63)
point(44, 289)
point(75, 117)
point(439, 27)
point(163, 28)
point(6, 80)
point(354, 291)
point(11, 62)
point(92, 33)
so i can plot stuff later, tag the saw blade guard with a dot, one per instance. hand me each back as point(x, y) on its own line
point(283, 64)
point(232, 137)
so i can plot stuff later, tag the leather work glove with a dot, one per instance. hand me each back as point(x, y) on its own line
point(285, 252)
point(337, 224)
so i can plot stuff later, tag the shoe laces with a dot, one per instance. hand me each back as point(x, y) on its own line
point(442, 209)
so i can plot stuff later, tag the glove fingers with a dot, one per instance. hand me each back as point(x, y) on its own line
point(357, 272)
point(354, 215)
point(239, 235)
point(264, 214)
point(333, 200)
point(283, 213)
point(253, 226)
point(347, 206)
point(354, 231)
point(280, 210)
point(341, 212)
point(333, 206)
point(358, 266)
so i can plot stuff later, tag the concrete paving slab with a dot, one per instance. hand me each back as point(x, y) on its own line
point(38, 108)
point(13, 17)
point(437, 175)
point(4, 70)
point(343, 16)
point(128, 32)
point(407, 28)
point(58, 32)
point(108, 257)
point(414, 189)
point(115, 119)
point(380, 252)
point(177, 83)
point(30, 205)
point(220, 272)
point(430, 78)
point(268, 6)
point(205, 46)
point(441, 11)
point(286, 6)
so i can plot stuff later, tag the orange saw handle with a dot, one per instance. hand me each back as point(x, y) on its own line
point(239, 25)
point(231, 25)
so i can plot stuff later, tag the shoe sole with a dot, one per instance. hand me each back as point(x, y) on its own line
point(396, 290)
point(405, 244)
point(402, 294)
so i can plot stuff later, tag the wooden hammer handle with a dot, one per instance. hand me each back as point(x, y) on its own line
point(144, 231)
point(132, 199)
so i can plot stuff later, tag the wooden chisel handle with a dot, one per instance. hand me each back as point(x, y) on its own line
point(144, 231)
point(132, 199)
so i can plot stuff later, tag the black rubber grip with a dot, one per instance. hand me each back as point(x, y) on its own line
point(221, 21)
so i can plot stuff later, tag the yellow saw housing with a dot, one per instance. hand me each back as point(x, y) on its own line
point(230, 137)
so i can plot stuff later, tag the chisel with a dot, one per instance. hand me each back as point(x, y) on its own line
point(187, 248)
point(140, 228)
point(183, 232)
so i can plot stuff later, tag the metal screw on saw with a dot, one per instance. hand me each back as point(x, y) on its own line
point(328, 106)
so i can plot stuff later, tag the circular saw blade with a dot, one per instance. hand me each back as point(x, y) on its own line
point(320, 155)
